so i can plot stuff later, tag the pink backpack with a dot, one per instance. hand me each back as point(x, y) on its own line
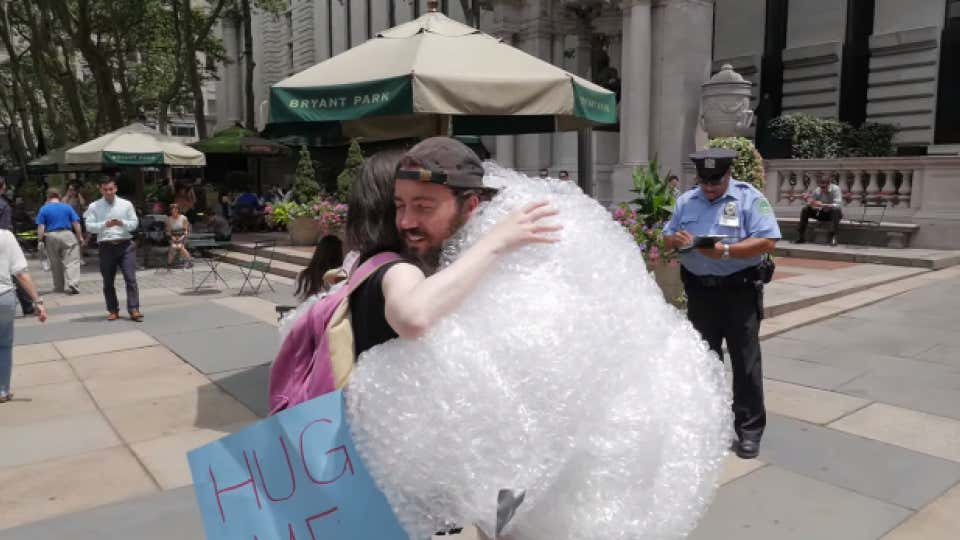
point(317, 356)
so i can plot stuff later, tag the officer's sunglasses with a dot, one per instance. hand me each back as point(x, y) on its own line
point(712, 180)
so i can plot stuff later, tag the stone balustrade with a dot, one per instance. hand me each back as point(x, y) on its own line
point(923, 190)
point(887, 181)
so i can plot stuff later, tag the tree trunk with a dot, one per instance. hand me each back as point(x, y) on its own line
point(82, 37)
point(249, 112)
point(193, 72)
point(130, 111)
point(17, 81)
point(35, 118)
point(196, 39)
point(41, 53)
point(65, 76)
point(15, 135)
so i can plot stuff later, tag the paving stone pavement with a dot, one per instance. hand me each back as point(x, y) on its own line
point(862, 441)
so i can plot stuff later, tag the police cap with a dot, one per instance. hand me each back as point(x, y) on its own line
point(713, 163)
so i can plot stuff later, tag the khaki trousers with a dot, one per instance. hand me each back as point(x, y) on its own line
point(63, 250)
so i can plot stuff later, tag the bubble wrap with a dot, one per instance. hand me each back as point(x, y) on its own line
point(565, 374)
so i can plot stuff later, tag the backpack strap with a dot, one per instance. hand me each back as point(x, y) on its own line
point(368, 268)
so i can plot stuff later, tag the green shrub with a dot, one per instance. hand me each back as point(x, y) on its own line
point(813, 138)
point(351, 170)
point(870, 140)
point(748, 167)
point(305, 186)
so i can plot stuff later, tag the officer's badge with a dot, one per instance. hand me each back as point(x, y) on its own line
point(709, 163)
point(730, 217)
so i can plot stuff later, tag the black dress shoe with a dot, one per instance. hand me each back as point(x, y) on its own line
point(748, 449)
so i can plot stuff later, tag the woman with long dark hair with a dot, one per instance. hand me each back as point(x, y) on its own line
point(370, 230)
point(327, 256)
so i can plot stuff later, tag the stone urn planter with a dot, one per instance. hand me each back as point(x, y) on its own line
point(303, 231)
point(668, 279)
point(725, 105)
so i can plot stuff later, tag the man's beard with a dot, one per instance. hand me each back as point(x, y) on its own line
point(429, 260)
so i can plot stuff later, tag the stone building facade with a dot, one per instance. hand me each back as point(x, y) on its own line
point(889, 61)
point(877, 60)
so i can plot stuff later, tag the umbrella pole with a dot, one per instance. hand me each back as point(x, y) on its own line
point(585, 160)
point(259, 177)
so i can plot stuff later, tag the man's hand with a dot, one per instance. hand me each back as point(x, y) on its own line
point(526, 226)
point(816, 205)
point(41, 312)
point(714, 252)
point(682, 238)
point(113, 223)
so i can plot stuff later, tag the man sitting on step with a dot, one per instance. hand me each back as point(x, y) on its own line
point(824, 204)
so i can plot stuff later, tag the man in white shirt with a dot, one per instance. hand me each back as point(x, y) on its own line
point(824, 204)
point(113, 219)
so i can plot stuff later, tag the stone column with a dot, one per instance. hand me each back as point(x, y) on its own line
point(682, 42)
point(533, 152)
point(606, 147)
point(634, 101)
point(506, 145)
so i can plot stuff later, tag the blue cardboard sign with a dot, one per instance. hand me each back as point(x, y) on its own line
point(292, 476)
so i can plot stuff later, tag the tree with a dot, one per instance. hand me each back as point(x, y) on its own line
point(305, 185)
point(196, 37)
point(274, 7)
point(351, 170)
point(79, 19)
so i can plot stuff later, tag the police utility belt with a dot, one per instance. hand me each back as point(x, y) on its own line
point(749, 277)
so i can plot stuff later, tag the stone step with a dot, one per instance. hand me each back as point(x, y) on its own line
point(277, 267)
point(280, 253)
point(930, 259)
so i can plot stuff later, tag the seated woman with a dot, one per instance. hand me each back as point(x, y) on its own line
point(178, 227)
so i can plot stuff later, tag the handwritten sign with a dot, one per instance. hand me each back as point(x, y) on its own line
point(293, 476)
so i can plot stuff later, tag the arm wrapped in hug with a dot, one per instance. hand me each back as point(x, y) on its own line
point(565, 375)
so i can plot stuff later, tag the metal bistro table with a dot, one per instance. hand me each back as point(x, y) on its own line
point(205, 243)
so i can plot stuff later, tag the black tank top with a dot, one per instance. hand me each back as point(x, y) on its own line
point(367, 313)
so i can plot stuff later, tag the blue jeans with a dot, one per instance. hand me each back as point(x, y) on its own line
point(8, 310)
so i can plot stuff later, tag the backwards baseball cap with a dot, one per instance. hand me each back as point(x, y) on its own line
point(442, 160)
point(713, 163)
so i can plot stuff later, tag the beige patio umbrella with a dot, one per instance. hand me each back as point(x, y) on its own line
point(435, 76)
point(135, 145)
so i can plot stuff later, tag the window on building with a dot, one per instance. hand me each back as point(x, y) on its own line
point(290, 56)
point(211, 104)
point(183, 131)
point(289, 23)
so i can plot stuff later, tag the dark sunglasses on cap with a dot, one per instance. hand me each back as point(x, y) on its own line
point(712, 180)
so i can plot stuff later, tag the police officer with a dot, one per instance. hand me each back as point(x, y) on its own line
point(724, 280)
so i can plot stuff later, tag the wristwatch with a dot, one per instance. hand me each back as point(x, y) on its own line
point(726, 252)
point(38, 302)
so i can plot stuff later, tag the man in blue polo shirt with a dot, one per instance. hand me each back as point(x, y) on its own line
point(58, 227)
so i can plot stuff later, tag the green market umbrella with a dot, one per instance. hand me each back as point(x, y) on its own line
point(135, 145)
point(239, 140)
point(435, 76)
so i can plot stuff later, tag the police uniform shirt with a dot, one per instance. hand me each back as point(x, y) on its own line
point(742, 212)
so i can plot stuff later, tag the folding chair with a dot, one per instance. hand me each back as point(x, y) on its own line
point(204, 244)
point(863, 218)
point(263, 252)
